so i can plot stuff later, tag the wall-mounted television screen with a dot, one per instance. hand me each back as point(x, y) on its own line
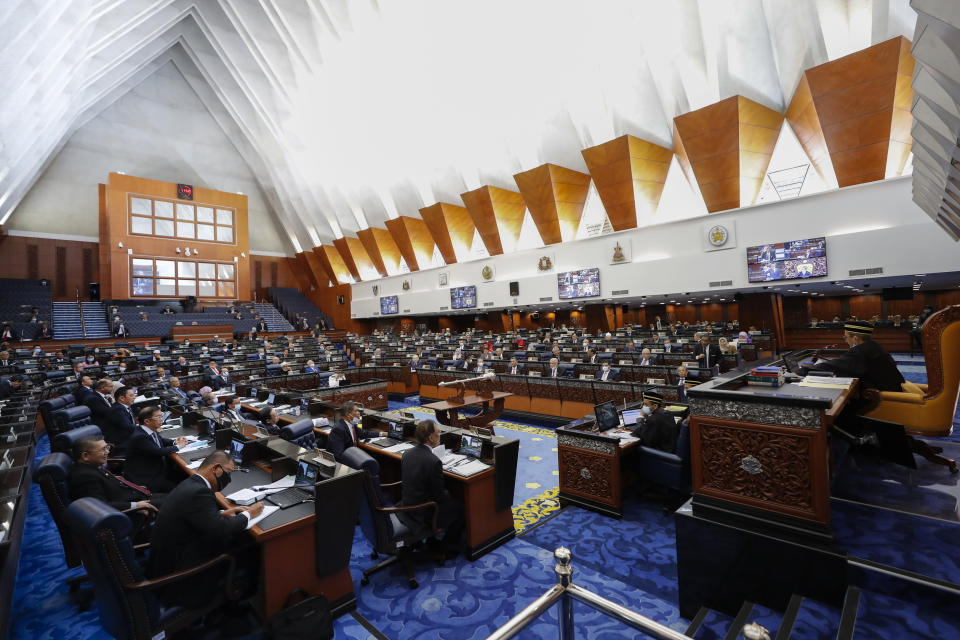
point(584, 283)
point(389, 304)
point(463, 297)
point(787, 260)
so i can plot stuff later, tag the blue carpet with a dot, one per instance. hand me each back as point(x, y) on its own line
point(816, 621)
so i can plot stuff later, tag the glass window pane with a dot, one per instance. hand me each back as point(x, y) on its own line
point(163, 227)
point(207, 270)
point(142, 287)
point(185, 229)
point(167, 287)
point(165, 268)
point(208, 288)
point(142, 267)
point(224, 216)
point(225, 289)
point(186, 287)
point(204, 232)
point(225, 271)
point(141, 225)
point(162, 209)
point(184, 211)
point(141, 206)
point(225, 234)
point(187, 269)
point(205, 214)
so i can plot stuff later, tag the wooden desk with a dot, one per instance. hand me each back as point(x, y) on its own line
point(202, 331)
point(590, 466)
point(287, 541)
point(448, 412)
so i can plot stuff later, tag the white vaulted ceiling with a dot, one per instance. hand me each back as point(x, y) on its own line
point(350, 112)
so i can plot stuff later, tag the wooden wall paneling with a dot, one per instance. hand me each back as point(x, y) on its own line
point(495, 211)
point(555, 196)
point(333, 264)
point(727, 147)
point(862, 102)
point(78, 269)
point(103, 248)
point(33, 260)
point(257, 274)
point(273, 274)
point(60, 280)
point(796, 312)
point(326, 298)
point(310, 266)
point(87, 270)
point(865, 306)
point(414, 241)
point(826, 309)
point(340, 244)
point(906, 308)
point(114, 229)
point(947, 298)
point(711, 312)
point(451, 227)
point(629, 174)
point(300, 273)
point(803, 119)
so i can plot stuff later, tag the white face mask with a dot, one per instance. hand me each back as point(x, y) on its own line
point(605, 369)
point(647, 410)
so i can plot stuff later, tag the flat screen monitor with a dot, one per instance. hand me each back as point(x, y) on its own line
point(471, 445)
point(307, 473)
point(389, 305)
point(270, 398)
point(583, 283)
point(630, 416)
point(787, 260)
point(463, 297)
point(395, 430)
point(607, 416)
point(236, 450)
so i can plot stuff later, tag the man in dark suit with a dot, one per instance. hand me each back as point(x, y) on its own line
point(515, 368)
point(555, 371)
point(180, 367)
point(657, 429)
point(7, 387)
point(422, 475)
point(346, 431)
point(592, 357)
point(415, 362)
point(5, 359)
point(148, 453)
point(865, 359)
point(231, 409)
point(89, 478)
point(99, 402)
point(707, 353)
point(176, 392)
point(192, 529)
point(647, 359)
point(46, 333)
point(120, 423)
point(213, 377)
point(121, 330)
point(608, 373)
point(269, 419)
point(261, 325)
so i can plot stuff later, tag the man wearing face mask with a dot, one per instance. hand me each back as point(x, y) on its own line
point(608, 374)
point(191, 529)
point(657, 429)
point(346, 431)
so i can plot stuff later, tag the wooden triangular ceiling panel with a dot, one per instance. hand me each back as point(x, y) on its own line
point(319, 274)
point(451, 227)
point(629, 174)
point(858, 109)
point(333, 263)
point(727, 147)
point(355, 257)
point(383, 251)
point(555, 196)
point(493, 209)
point(414, 241)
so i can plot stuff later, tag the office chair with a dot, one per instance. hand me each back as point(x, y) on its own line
point(128, 608)
point(69, 418)
point(300, 433)
point(668, 470)
point(64, 442)
point(379, 519)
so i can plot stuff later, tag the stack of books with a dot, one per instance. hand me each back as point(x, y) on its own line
point(766, 376)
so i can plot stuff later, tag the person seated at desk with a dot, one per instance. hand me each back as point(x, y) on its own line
point(162, 377)
point(415, 362)
point(607, 374)
point(191, 529)
point(683, 382)
point(706, 352)
point(167, 311)
point(120, 424)
point(7, 387)
point(592, 357)
point(865, 360)
point(422, 475)
point(657, 429)
point(212, 375)
point(346, 431)
point(148, 454)
point(180, 367)
point(554, 370)
point(5, 359)
point(479, 366)
point(208, 397)
point(269, 419)
point(336, 379)
point(176, 392)
point(647, 359)
point(467, 364)
point(726, 347)
point(89, 478)
point(515, 368)
point(231, 408)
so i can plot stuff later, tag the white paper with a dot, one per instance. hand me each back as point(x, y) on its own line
point(829, 380)
point(400, 448)
point(195, 464)
point(452, 459)
point(267, 510)
point(193, 446)
point(440, 451)
point(244, 497)
point(320, 422)
point(470, 468)
point(283, 483)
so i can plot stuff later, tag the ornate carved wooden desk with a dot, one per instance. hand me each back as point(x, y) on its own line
point(448, 411)
point(589, 463)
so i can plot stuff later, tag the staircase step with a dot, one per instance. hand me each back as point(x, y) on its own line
point(848, 616)
point(713, 625)
point(883, 616)
point(814, 621)
point(733, 631)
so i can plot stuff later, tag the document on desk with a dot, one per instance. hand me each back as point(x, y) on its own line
point(193, 446)
point(268, 510)
point(824, 382)
point(469, 468)
point(399, 448)
point(195, 464)
point(283, 483)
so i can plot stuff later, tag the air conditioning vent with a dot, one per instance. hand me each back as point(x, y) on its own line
point(874, 270)
point(488, 304)
point(547, 299)
point(406, 310)
point(444, 308)
point(722, 283)
point(376, 313)
point(715, 284)
point(621, 292)
point(858, 272)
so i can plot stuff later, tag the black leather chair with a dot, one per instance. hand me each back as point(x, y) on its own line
point(379, 521)
point(669, 470)
point(129, 609)
point(64, 442)
point(69, 418)
point(47, 407)
point(300, 433)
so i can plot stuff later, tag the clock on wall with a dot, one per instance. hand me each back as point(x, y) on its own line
point(185, 191)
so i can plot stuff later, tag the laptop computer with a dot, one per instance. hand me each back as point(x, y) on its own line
point(629, 417)
point(471, 445)
point(394, 436)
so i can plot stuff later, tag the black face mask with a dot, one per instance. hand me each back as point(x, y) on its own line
point(223, 481)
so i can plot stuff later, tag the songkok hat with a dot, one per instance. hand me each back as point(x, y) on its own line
point(653, 396)
point(858, 326)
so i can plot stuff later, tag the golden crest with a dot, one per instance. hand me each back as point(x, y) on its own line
point(487, 273)
point(618, 253)
point(717, 235)
point(406, 285)
point(544, 264)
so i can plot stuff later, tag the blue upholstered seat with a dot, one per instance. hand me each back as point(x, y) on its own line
point(300, 433)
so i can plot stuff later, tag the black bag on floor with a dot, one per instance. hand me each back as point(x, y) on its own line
point(308, 618)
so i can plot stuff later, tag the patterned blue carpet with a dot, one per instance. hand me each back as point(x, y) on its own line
point(631, 561)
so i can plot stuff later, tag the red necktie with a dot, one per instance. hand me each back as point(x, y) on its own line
point(131, 485)
point(353, 429)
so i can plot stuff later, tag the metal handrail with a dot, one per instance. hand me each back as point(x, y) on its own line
point(565, 591)
point(83, 323)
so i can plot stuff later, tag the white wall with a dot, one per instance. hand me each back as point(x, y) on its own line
point(159, 130)
point(873, 225)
